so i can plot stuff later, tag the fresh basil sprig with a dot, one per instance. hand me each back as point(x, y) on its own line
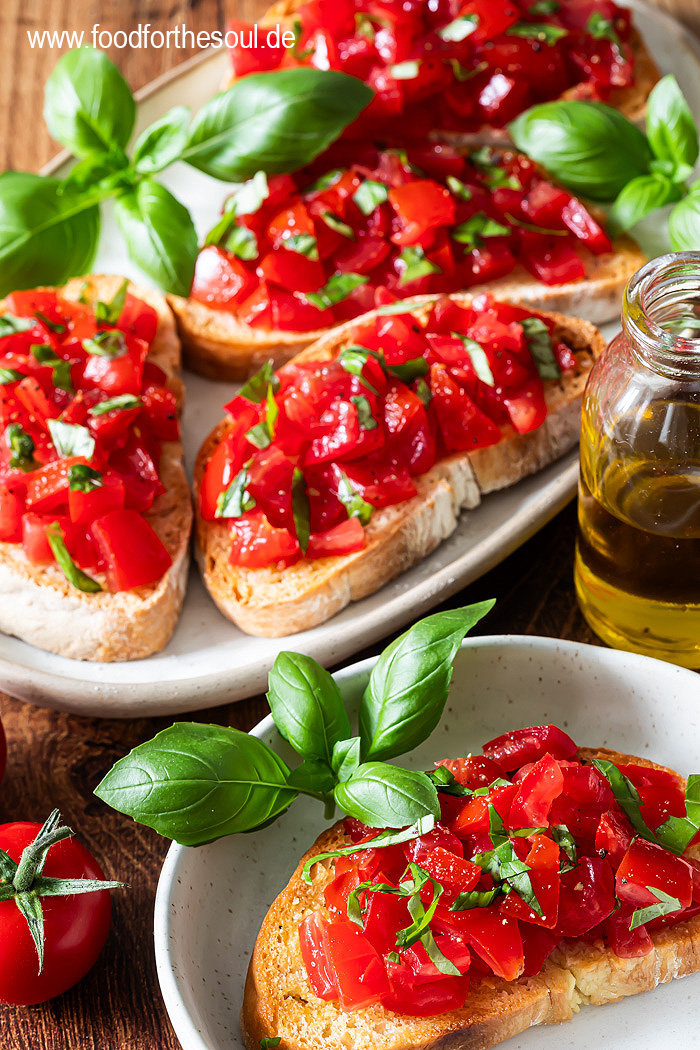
point(597, 152)
point(196, 783)
point(274, 122)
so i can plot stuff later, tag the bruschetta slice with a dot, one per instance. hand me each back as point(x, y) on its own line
point(354, 461)
point(95, 509)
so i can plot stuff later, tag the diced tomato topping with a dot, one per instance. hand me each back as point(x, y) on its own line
point(133, 555)
point(646, 867)
point(537, 791)
point(514, 749)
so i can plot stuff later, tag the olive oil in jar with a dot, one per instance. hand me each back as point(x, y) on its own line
point(637, 569)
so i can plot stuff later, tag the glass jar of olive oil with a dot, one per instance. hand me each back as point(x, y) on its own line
point(638, 548)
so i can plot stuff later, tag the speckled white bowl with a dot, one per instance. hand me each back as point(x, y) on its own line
point(212, 900)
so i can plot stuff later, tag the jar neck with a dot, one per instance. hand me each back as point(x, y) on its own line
point(661, 315)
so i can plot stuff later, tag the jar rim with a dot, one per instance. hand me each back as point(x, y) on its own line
point(660, 308)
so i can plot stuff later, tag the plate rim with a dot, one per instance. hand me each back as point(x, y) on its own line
point(182, 1021)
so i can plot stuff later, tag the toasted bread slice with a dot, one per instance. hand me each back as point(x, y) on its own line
point(273, 602)
point(40, 606)
point(217, 345)
point(278, 1000)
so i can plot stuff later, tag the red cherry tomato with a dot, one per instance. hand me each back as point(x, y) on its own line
point(3, 752)
point(75, 926)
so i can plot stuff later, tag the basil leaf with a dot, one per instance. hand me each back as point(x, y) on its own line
point(458, 188)
point(88, 106)
point(354, 358)
point(386, 796)
point(109, 313)
point(163, 142)
point(626, 796)
point(458, 30)
point(364, 412)
point(472, 232)
point(45, 237)
point(106, 170)
point(369, 195)
point(544, 32)
point(539, 344)
point(566, 842)
point(544, 7)
point(478, 358)
point(159, 235)
point(300, 509)
point(641, 196)
point(302, 243)
point(676, 833)
point(11, 325)
point(416, 264)
point(120, 403)
point(329, 179)
point(75, 576)
point(465, 901)
point(277, 122)
point(22, 447)
point(241, 242)
point(408, 687)
point(337, 288)
point(602, 28)
point(195, 783)
point(270, 1043)
point(256, 388)
point(589, 147)
point(307, 706)
point(70, 439)
point(346, 757)
point(684, 224)
point(666, 906)
point(312, 777)
point(353, 502)
point(10, 375)
point(235, 500)
point(487, 161)
point(409, 371)
point(82, 478)
point(671, 128)
point(109, 343)
point(53, 326)
point(404, 306)
point(262, 434)
point(335, 223)
point(385, 838)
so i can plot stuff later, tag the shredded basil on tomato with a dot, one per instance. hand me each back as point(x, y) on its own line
point(120, 403)
point(240, 241)
point(22, 447)
point(300, 509)
point(477, 229)
point(61, 369)
point(540, 346)
point(666, 905)
point(364, 412)
point(256, 388)
point(235, 500)
point(495, 176)
point(409, 371)
point(337, 288)
point(262, 434)
point(10, 375)
point(602, 28)
point(390, 837)
point(355, 505)
point(405, 306)
point(475, 899)
point(11, 325)
point(110, 312)
point(458, 30)
point(336, 223)
point(544, 32)
point(677, 833)
point(82, 478)
point(424, 392)
point(354, 358)
point(109, 343)
point(70, 439)
point(544, 7)
point(416, 264)
point(249, 196)
point(53, 326)
point(627, 797)
point(369, 195)
point(458, 188)
point(478, 358)
point(408, 70)
point(74, 575)
point(329, 179)
point(303, 244)
point(567, 843)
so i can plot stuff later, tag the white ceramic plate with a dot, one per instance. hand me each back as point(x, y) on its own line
point(211, 900)
point(209, 661)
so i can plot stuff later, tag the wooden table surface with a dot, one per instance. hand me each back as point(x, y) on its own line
point(57, 759)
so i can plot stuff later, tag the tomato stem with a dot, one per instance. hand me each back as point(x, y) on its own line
point(34, 855)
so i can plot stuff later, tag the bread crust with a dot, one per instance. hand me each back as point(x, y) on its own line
point(273, 603)
point(42, 608)
point(278, 1000)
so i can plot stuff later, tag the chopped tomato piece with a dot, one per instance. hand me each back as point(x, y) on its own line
point(11, 510)
point(220, 279)
point(255, 542)
point(646, 867)
point(514, 749)
point(84, 507)
point(132, 553)
point(344, 538)
point(543, 862)
point(537, 791)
